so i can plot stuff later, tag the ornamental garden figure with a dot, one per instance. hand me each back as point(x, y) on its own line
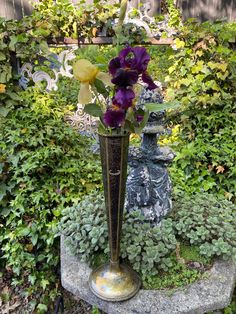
point(148, 182)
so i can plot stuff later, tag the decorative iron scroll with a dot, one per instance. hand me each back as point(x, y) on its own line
point(60, 67)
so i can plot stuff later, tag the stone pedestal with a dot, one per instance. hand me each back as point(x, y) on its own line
point(203, 296)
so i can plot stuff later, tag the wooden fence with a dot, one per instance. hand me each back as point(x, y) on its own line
point(208, 9)
point(201, 9)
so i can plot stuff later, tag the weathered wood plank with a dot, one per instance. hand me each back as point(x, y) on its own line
point(208, 9)
point(15, 9)
point(103, 41)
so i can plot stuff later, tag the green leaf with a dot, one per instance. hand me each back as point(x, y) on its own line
point(100, 87)
point(44, 283)
point(42, 308)
point(34, 239)
point(56, 212)
point(32, 279)
point(93, 110)
point(138, 129)
point(4, 111)
point(2, 56)
point(3, 190)
point(154, 107)
point(129, 126)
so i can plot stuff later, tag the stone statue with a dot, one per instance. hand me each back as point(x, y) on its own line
point(148, 182)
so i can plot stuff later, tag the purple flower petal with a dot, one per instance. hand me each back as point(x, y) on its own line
point(148, 80)
point(124, 61)
point(135, 58)
point(141, 59)
point(125, 77)
point(124, 97)
point(114, 65)
point(114, 118)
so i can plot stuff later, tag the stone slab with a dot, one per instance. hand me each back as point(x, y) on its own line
point(203, 296)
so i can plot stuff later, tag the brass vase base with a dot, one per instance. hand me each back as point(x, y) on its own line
point(114, 282)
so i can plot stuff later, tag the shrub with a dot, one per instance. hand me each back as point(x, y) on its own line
point(45, 165)
point(203, 78)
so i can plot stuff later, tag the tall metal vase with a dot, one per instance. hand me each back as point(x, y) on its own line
point(114, 281)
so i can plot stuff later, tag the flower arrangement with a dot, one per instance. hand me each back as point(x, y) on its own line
point(112, 97)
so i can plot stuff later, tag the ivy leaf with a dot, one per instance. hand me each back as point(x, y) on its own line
point(179, 43)
point(3, 190)
point(44, 283)
point(93, 109)
point(2, 56)
point(32, 279)
point(42, 308)
point(220, 169)
point(4, 111)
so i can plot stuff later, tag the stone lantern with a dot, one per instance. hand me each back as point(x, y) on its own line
point(148, 183)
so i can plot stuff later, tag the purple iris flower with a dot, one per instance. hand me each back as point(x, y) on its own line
point(123, 97)
point(114, 65)
point(126, 68)
point(114, 118)
point(148, 80)
point(125, 77)
point(135, 58)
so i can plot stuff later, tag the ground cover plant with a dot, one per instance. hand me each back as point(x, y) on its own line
point(154, 250)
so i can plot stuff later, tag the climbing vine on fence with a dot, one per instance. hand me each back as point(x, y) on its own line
point(202, 78)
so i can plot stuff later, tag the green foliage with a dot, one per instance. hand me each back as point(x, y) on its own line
point(85, 228)
point(160, 61)
point(202, 221)
point(83, 20)
point(191, 253)
point(177, 276)
point(95, 310)
point(203, 78)
point(231, 309)
point(45, 165)
point(174, 14)
point(130, 33)
point(210, 224)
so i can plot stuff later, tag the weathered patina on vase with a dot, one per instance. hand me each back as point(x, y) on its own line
point(114, 281)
